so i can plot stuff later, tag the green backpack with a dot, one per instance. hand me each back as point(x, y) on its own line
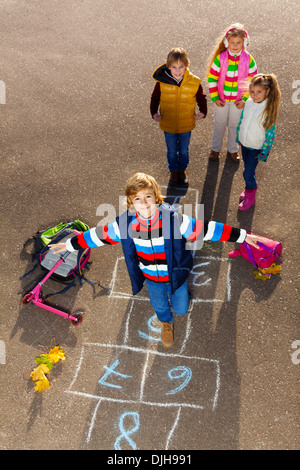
point(41, 253)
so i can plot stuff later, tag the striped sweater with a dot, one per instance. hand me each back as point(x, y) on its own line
point(231, 80)
point(149, 241)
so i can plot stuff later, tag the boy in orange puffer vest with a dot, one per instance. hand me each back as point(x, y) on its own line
point(176, 94)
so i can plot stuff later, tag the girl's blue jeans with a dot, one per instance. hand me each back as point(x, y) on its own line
point(178, 150)
point(161, 298)
point(250, 163)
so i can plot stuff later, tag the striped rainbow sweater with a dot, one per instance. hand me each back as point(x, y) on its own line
point(231, 80)
point(149, 240)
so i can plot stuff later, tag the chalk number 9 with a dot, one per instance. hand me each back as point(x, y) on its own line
point(180, 372)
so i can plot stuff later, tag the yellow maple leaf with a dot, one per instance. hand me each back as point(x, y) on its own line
point(273, 269)
point(39, 372)
point(42, 384)
point(259, 275)
point(55, 354)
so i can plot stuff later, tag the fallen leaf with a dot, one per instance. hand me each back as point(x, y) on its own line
point(273, 269)
point(55, 354)
point(259, 275)
point(42, 384)
point(44, 359)
point(39, 372)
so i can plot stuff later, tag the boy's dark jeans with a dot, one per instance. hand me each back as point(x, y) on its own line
point(178, 150)
point(160, 296)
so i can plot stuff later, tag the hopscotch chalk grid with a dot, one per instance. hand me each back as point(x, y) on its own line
point(134, 376)
point(130, 383)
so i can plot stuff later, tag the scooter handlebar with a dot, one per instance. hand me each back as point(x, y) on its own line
point(64, 255)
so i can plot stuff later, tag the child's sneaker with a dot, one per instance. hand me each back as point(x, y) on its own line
point(167, 334)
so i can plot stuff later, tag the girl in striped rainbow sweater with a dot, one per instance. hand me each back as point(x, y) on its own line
point(230, 68)
point(153, 239)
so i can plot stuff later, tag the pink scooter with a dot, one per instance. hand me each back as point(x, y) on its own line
point(36, 298)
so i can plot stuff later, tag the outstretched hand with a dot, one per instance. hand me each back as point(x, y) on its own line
point(58, 247)
point(252, 240)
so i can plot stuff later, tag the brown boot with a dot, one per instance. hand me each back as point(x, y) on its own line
point(214, 155)
point(183, 178)
point(167, 335)
point(173, 178)
point(235, 156)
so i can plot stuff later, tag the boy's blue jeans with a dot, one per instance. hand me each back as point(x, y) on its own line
point(161, 297)
point(250, 163)
point(178, 150)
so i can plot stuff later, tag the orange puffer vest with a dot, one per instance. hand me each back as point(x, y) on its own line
point(177, 104)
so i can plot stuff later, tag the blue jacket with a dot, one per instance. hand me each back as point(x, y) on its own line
point(179, 260)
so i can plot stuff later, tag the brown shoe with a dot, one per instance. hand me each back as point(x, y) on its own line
point(167, 335)
point(235, 156)
point(183, 178)
point(173, 178)
point(214, 155)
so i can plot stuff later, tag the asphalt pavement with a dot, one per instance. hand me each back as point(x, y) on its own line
point(76, 81)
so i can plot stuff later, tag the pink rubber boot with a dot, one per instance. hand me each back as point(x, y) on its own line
point(243, 194)
point(249, 199)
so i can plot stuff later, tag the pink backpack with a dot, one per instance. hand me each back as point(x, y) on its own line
point(263, 258)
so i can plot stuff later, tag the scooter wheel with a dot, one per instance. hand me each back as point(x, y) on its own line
point(79, 318)
point(27, 298)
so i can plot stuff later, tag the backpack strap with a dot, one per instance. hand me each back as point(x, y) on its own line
point(80, 276)
point(97, 283)
point(30, 271)
point(79, 271)
point(73, 283)
point(250, 254)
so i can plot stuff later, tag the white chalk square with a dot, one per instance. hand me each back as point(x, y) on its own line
point(143, 329)
point(182, 380)
point(131, 427)
point(209, 280)
point(120, 286)
point(109, 372)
